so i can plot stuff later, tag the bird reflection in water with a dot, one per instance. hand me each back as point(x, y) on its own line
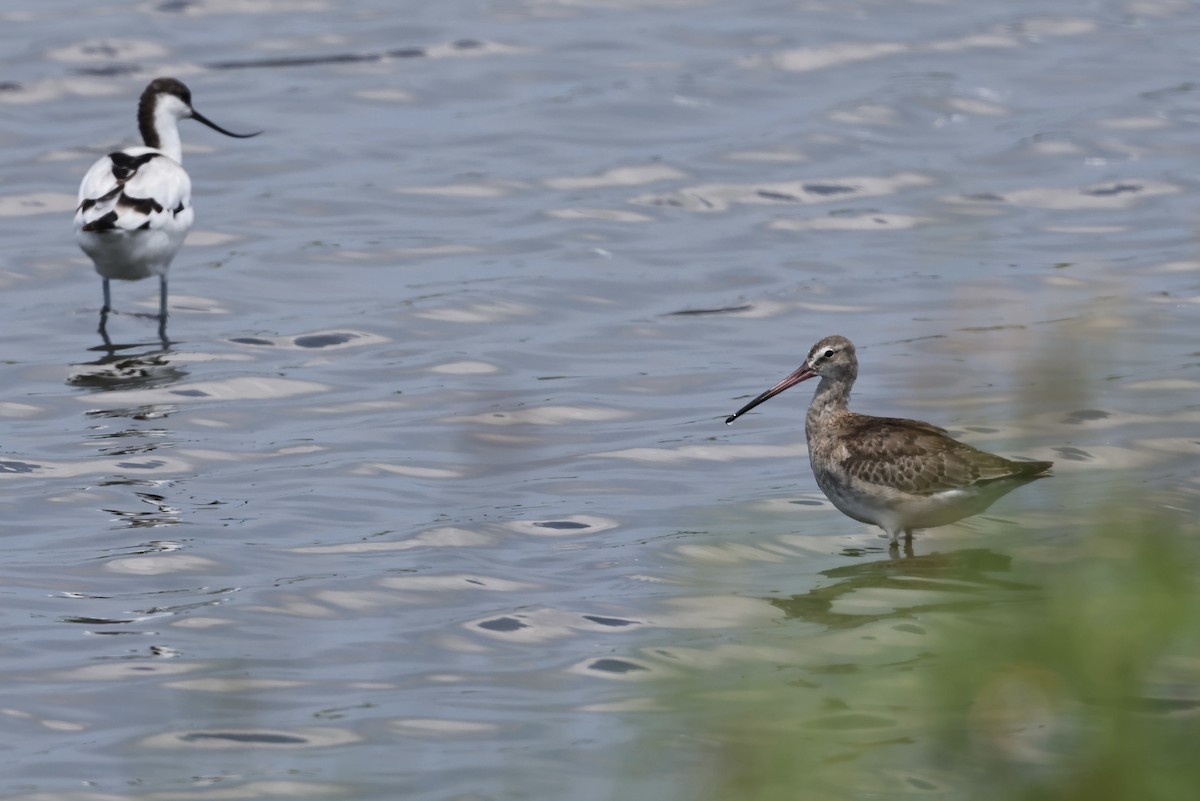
point(121, 367)
point(957, 580)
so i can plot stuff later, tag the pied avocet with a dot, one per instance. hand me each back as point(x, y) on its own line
point(135, 205)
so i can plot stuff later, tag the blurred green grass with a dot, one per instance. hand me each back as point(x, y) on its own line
point(1091, 689)
point(1074, 676)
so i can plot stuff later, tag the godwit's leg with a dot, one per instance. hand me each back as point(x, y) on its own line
point(104, 310)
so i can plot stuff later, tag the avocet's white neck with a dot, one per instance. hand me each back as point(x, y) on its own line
point(160, 127)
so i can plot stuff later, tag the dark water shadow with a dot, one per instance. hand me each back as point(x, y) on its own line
point(119, 69)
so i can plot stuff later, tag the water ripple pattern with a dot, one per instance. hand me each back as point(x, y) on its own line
point(430, 496)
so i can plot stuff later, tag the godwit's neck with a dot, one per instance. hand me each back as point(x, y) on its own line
point(832, 396)
point(159, 127)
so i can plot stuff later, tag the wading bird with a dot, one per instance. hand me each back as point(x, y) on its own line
point(135, 205)
point(897, 474)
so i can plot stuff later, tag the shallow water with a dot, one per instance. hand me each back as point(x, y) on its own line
point(430, 494)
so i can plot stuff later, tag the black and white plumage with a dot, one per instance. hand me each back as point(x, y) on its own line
point(135, 205)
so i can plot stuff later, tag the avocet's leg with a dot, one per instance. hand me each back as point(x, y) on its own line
point(107, 297)
point(162, 299)
point(103, 329)
point(162, 309)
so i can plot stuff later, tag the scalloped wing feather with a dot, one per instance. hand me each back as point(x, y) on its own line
point(919, 458)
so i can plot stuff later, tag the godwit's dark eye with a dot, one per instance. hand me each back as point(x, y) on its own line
point(829, 353)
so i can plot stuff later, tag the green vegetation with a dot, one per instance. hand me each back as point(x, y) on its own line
point(1068, 671)
point(1090, 690)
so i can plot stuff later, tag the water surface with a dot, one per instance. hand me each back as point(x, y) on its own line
point(430, 493)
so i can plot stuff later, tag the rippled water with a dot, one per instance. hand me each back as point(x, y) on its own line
point(430, 495)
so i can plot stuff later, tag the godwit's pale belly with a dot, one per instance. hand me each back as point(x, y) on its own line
point(892, 509)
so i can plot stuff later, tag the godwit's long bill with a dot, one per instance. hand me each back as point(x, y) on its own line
point(894, 473)
point(135, 205)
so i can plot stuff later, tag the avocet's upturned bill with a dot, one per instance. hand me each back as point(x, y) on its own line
point(135, 205)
